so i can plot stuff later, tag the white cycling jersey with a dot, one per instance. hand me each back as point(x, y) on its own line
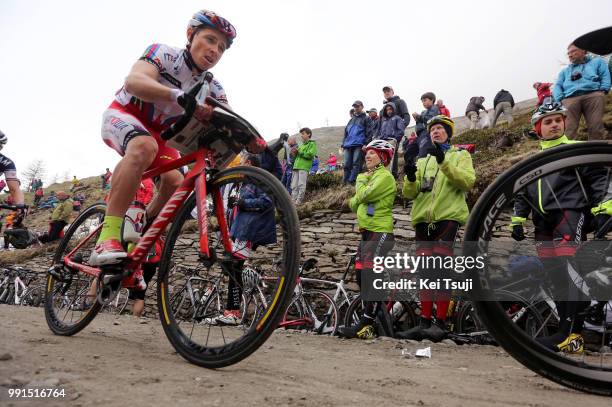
point(7, 167)
point(176, 70)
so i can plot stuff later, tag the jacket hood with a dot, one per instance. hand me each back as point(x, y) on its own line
point(477, 99)
point(385, 109)
point(393, 98)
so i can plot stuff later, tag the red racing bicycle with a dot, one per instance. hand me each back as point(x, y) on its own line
point(197, 224)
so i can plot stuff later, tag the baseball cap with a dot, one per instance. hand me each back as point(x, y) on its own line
point(357, 102)
point(386, 88)
point(373, 110)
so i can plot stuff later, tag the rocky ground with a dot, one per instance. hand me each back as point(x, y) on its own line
point(127, 361)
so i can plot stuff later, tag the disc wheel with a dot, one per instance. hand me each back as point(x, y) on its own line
point(487, 232)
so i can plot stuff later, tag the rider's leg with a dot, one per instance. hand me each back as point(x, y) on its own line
point(139, 155)
point(169, 181)
point(138, 308)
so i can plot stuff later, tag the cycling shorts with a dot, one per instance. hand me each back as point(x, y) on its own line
point(119, 126)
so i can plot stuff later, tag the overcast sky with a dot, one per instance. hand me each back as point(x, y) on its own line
point(294, 63)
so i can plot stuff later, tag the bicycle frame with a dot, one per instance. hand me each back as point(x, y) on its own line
point(18, 283)
point(194, 180)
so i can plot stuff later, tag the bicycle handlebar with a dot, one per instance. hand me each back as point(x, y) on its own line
point(180, 124)
point(13, 207)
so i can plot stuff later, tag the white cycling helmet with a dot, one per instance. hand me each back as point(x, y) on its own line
point(383, 147)
point(547, 110)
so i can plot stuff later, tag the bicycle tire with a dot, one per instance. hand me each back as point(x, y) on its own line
point(565, 371)
point(10, 298)
point(532, 318)
point(226, 354)
point(324, 319)
point(354, 312)
point(55, 287)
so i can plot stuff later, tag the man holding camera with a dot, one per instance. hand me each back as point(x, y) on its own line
point(581, 87)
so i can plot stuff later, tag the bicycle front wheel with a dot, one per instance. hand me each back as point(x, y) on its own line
point(263, 229)
point(487, 234)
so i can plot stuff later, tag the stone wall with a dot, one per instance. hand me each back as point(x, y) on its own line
point(327, 235)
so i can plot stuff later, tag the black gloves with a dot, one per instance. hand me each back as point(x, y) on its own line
point(600, 224)
point(518, 233)
point(410, 170)
point(438, 153)
point(187, 102)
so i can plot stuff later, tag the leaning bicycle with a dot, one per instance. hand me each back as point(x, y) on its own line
point(199, 239)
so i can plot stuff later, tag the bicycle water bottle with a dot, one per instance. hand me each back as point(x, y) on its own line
point(133, 222)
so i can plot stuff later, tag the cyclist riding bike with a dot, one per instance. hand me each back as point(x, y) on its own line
point(561, 204)
point(151, 99)
point(7, 167)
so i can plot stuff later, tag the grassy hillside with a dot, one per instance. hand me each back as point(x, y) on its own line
point(497, 150)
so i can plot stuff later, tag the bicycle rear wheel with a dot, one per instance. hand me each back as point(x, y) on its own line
point(591, 371)
point(70, 300)
point(214, 342)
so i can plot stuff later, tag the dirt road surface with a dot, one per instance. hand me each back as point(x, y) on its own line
point(127, 361)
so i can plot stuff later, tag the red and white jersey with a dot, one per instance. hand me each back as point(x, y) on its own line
point(177, 71)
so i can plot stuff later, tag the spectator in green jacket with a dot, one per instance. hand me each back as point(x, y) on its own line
point(373, 201)
point(59, 218)
point(304, 155)
point(438, 184)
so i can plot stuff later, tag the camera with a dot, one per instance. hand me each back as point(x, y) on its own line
point(575, 76)
point(427, 184)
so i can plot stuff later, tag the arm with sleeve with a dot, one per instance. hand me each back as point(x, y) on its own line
point(604, 75)
point(370, 190)
point(558, 92)
point(461, 174)
point(308, 150)
point(410, 190)
point(600, 190)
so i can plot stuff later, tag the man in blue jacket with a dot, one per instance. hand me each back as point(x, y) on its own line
point(356, 135)
point(581, 87)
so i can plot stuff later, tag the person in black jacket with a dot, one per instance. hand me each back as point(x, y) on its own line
point(400, 105)
point(270, 162)
point(561, 205)
point(503, 103)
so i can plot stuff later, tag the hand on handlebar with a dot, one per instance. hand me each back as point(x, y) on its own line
point(203, 112)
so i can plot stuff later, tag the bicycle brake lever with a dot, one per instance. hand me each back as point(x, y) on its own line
point(189, 110)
